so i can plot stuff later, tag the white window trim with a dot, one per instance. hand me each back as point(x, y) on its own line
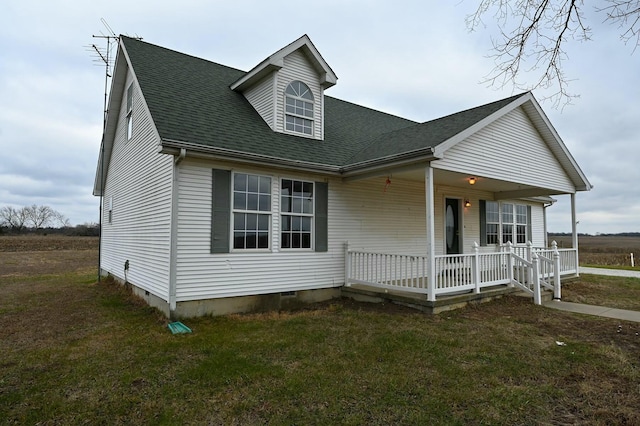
point(303, 117)
point(514, 223)
point(129, 114)
point(311, 248)
point(110, 211)
point(233, 210)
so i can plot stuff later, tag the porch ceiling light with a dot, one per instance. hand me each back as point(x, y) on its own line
point(472, 180)
point(467, 203)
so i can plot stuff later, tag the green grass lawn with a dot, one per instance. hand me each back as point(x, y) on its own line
point(77, 352)
point(613, 292)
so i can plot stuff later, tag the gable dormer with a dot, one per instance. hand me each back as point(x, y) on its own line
point(287, 89)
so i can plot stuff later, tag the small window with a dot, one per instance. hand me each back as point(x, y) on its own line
point(129, 111)
point(506, 222)
point(493, 222)
point(296, 208)
point(299, 108)
point(521, 224)
point(110, 214)
point(251, 211)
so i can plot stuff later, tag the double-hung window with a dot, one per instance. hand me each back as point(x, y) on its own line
point(298, 108)
point(507, 223)
point(296, 210)
point(504, 222)
point(493, 222)
point(251, 211)
point(129, 111)
point(243, 213)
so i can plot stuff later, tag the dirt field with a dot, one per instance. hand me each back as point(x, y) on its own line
point(604, 250)
point(29, 255)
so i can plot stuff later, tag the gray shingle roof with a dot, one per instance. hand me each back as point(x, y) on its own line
point(190, 101)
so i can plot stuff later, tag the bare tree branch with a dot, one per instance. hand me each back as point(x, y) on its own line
point(533, 35)
point(626, 13)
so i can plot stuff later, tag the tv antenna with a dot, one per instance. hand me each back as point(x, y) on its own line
point(102, 56)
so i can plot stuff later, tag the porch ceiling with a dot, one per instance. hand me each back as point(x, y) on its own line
point(500, 188)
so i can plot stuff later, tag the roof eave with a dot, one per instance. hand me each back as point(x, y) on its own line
point(422, 155)
point(276, 61)
point(113, 111)
point(171, 146)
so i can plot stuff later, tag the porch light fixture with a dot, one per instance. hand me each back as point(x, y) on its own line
point(467, 203)
point(472, 180)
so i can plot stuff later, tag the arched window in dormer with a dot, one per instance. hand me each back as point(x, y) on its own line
point(298, 108)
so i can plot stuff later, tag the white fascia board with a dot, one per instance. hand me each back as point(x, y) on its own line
point(583, 184)
point(194, 150)
point(454, 140)
point(113, 111)
point(276, 62)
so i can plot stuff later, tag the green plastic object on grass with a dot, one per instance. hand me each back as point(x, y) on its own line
point(178, 328)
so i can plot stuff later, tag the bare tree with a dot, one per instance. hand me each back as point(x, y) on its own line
point(13, 218)
point(42, 216)
point(533, 35)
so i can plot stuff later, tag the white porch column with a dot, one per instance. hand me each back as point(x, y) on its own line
point(574, 231)
point(431, 244)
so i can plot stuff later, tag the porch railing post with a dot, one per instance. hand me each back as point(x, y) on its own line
point(509, 264)
point(429, 195)
point(476, 267)
point(535, 265)
point(529, 257)
point(347, 264)
point(557, 291)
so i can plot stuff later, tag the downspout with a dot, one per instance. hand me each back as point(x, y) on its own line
point(174, 232)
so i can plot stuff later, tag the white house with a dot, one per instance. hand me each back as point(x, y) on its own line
point(229, 191)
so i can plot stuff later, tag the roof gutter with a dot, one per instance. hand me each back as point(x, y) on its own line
point(179, 148)
point(403, 159)
point(174, 147)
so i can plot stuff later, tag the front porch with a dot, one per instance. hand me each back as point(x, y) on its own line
point(459, 279)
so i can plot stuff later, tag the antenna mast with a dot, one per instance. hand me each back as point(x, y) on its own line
point(103, 57)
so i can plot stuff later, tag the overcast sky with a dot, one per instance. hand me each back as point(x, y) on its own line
point(415, 59)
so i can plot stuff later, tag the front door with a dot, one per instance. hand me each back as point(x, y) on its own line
point(452, 226)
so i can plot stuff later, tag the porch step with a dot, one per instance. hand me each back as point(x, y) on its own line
point(546, 295)
point(363, 293)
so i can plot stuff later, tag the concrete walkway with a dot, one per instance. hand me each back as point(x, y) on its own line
point(600, 311)
point(610, 272)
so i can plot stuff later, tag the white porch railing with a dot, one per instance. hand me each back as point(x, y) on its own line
point(525, 267)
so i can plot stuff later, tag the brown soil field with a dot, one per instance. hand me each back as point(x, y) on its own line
point(603, 250)
point(29, 255)
point(46, 243)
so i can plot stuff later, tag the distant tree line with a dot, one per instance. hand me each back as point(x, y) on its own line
point(41, 219)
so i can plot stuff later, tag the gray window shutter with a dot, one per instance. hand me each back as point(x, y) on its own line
point(529, 230)
point(220, 211)
point(483, 222)
point(321, 216)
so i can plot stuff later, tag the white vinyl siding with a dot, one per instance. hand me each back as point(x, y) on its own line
point(508, 149)
point(297, 67)
point(139, 183)
point(202, 275)
point(261, 97)
point(360, 212)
